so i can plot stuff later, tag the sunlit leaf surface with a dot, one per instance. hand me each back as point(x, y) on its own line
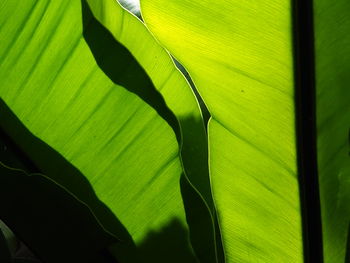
point(239, 54)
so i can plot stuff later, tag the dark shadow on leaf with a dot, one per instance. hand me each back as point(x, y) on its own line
point(204, 229)
point(58, 227)
point(172, 245)
point(38, 157)
point(122, 68)
point(203, 107)
point(169, 244)
point(108, 53)
point(199, 221)
point(21, 149)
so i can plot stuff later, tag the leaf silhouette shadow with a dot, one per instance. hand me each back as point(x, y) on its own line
point(122, 68)
point(36, 156)
point(172, 243)
point(57, 226)
point(21, 149)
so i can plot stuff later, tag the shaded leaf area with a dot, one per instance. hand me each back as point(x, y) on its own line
point(168, 244)
point(12, 241)
point(23, 253)
point(5, 255)
point(23, 150)
point(122, 68)
point(203, 107)
point(125, 29)
point(134, 8)
point(51, 81)
point(11, 156)
point(57, 226)
point(332, 53)
point(199, 225)
point(174, 251)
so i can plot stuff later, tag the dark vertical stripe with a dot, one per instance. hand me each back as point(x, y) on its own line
point(304, 70)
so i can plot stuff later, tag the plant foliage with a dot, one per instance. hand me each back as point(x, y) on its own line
point(93, 104)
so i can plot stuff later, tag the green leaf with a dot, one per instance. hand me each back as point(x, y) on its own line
point(131, 32)
point(332, 27)
point(239, 55)
point(178, 96)
point(52, 83)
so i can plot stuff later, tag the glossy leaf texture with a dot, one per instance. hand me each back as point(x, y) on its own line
point(332, 46)
point(52, 83)
point(239, 55)
point(178, 96)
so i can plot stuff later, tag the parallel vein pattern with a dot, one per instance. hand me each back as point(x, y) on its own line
point(178, 96)
point(50, 80)
point(239, 55)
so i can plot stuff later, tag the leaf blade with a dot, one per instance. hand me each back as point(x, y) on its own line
point(179, 97)
point(239, 55)
point(54, 86)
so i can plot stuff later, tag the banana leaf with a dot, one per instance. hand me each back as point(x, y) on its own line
point(243, 58)
point(178, 96)
point(53, 84)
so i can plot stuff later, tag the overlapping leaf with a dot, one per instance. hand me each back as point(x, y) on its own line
point(178, 96)
point(51, 81)
point(131, 32)
point(239, 54)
